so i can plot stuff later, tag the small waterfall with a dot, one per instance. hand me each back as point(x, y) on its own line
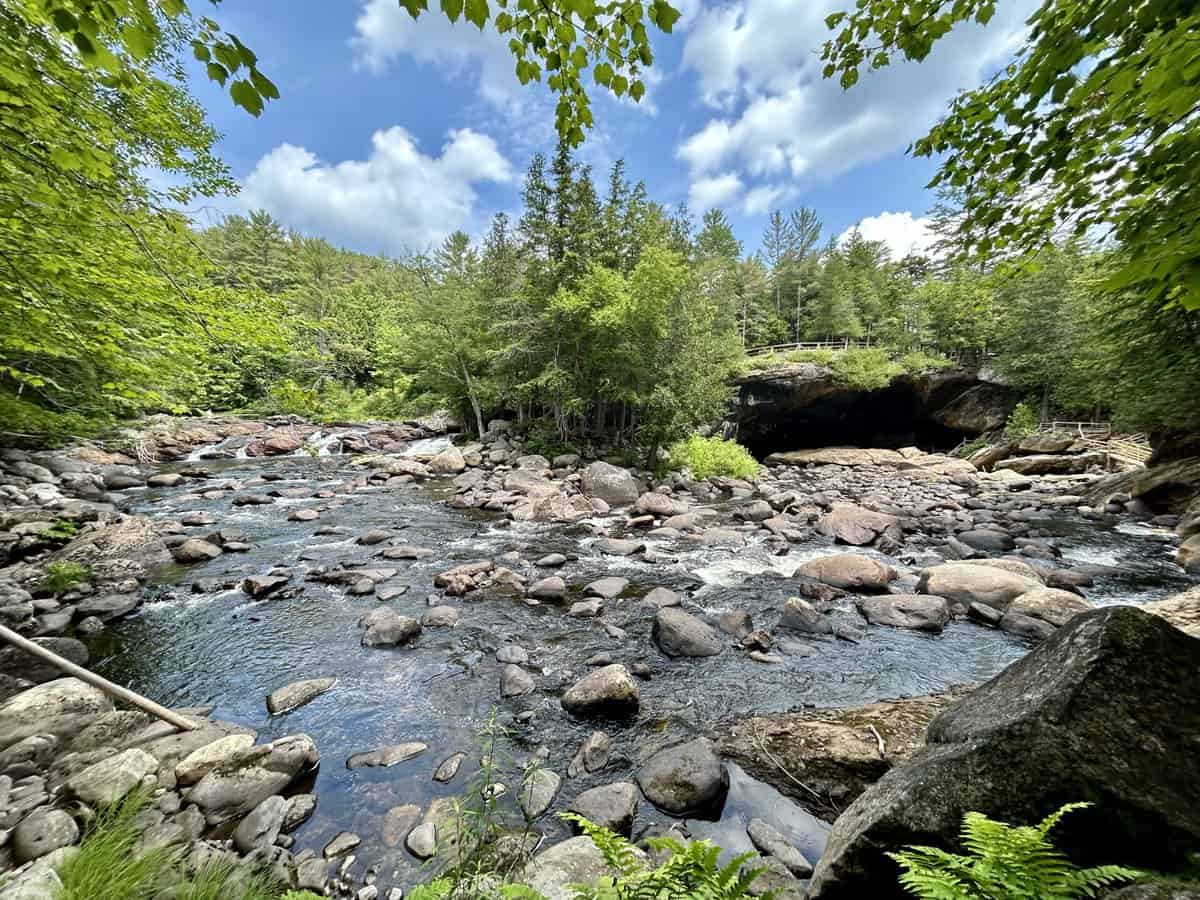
point(324, 445)
point(428, 446)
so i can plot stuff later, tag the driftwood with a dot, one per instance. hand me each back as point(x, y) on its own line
point(113, 690)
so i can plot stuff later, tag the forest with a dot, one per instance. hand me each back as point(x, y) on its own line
point(598, 312)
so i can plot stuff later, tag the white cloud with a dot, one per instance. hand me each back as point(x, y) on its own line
point(758, 64)
point(385, 32)
point(397, 199)
point(901, 231)
point(716, 191)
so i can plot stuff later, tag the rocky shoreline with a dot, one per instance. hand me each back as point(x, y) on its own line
point(916, 541)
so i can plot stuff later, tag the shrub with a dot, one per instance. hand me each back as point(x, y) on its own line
point(917, 361)
point(966, 449)
point(1022, 423)
point(62, 575)
point(60, 530)
point(1004, 862)
point(865, 369)
point(708, 457)
point(818, 357)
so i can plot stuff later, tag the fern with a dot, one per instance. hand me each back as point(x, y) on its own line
point(1004, 862)
point(691, 870)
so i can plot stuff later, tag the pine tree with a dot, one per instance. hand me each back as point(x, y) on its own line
point(716, 239)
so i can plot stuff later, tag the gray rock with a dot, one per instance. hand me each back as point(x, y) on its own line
point(261, 826)
point(608, 588)
point(42, 832)
point(440, 617)
point(195, 550)
point(449, 462)
point(1051, 605)
point(515, 682)
point(609, 691)
point(341, 844)
point(512, 653)
point(20, 664)
point(619, 547)
point(398, 822)
point(611, 806)
point(613, 485)
point(989, 540)
point(771, 841)
point(592, 755)
point(552, 588)
point(422, 841)
point(922, 612)
point(300, 809)
point(849, 571)
point(448, 768)
point(967, 584)
point(551, 561)
point(385, 757)
point(296, 694)
point(219, 752)
point(111, 779)
point(245, 780)
point(1069, 711)
point(387, 628)
point(661, 596)
point(586, 609)
point(684, 779)
point(538, 791)
point(800, 615)
point(107, 607)
point(678, 633)
point(259, 586)
point(574, 861)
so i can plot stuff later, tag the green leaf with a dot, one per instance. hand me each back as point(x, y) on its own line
point(217, 73)
point(477, 12)
point(452, 8)
point(414, 7)
point(603, 74)
point(637, 90)
point(265, 87)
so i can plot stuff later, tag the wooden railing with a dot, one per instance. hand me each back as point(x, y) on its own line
point(842, 344)
point(1126, 449)
point(1077, 429)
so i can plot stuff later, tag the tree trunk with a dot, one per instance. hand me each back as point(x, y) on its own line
point(471, 395)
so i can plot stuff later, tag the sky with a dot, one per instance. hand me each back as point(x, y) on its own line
point(392, 133)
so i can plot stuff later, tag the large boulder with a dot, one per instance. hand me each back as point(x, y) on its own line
point(243, 781)
point(923, 612)
point(449, 462)
point(969, 584)
point(685, 779)
point(608, 691)
point(847, 523)
point(1051, 464)
point(678, 633)
point(574, 861)
point(1181, 610)
point(1050, 605)
point(614, 485)
point(851, 571)
point(611, 806)
point(60, 708)
point(1105, 711)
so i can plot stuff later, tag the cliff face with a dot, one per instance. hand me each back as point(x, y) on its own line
point(800, 406)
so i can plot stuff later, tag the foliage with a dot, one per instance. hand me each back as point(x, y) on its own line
point(865, 369)
point(61, 576)
point(818, 357)
point(1022, 422)
point(967, 448)
point(60, 530)
point(710, 457)
point(1090, 129)
point(1004, 862)
point(691, 870)
point(916, 362)
point(217, 881)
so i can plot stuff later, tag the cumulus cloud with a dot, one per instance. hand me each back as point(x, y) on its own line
point(757, 63)
point(385, 32)
point(901, 231)
point(716, 191)
point(396, 199)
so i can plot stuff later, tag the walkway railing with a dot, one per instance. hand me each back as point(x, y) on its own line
point(843, 344)
point(1126, 449)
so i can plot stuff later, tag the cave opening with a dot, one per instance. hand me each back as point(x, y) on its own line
point(893, 417)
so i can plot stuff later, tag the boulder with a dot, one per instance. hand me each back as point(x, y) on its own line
point(41, 832)
point(608, 588)
point(685, 779)
point(609, 691)
point(611, 806)
point(515, 682)
point(242, 782)
point(195, 550)
point(1066, 723)
point(967, 584)
point(800, 615)
point(386, 757)
point(60, 708)
point(574, 861)
point(678, 633)
point(387, 628)
point(836, 456)
point(847, 523)
point(923, 612)
point(203, 760)
point(769, 840)
point(449, 462)
point(111, 779)
point(660, 597)
point(1181, 610)
point(19, 664)
point(538, 791)
point(1188, 555)
point(987, 540)
point(615, 486)
point(552, 588)
point(1051, 605)
point(662, 506)
point(296, 694)
point(261, 826)
point(1046, 443)
point(850, 571)
point(1050, 464)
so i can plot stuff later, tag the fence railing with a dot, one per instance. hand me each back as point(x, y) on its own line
point(791, 347)
point(1078, 429)
point(1127, 449)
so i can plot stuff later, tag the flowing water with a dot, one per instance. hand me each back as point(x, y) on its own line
point(223, 649)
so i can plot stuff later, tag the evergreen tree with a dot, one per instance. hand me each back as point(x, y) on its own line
point(716, 239)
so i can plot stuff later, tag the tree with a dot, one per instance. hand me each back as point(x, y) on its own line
point(716, 239)
point(1092, 128)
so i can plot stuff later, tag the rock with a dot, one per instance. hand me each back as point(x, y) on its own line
point(60, 708)
point(611, 806)
point(660, 597)
point(195, 550)
point(552, 588)
point(969, 584)
point(422, 841)
point(1050, 605)
point(204, 759)
point(678, 633)
point(800, 615)
point(849, 571)
point(538, 791)
point(243, 781)
point(736, 623)
point(586, 609)
point(512, 653)
point(1046, 443)
point(659, 505)
point(111, 779)
point(619, 547)
point(19, 664)
point(449, 462)
point(407, 551)
point(41, 832)
point(608, 588)
point(342, 843)
point(592, 756)
point(398, 822)
point(1049, 464)
point(1181, 610)
point(107, 607)
point(609, 691)
point(685, 779)
point(515, 682)
point(836, 456)
point(574, 861)
point(165, 480)
point(1188, 555)
point(259, 586)
point(448, 768)
point(923, 612)
point(386, 757)
point(551, 561)
point(850, 524)
point(1070, 711)
point(300, 809)
point(987, 540)
point(613, 485)
point(303, 515)
point(296, 694)
point(1025, 626)
point(387, 628)
point(770, 840)
point(261, 826)
point(440, 617)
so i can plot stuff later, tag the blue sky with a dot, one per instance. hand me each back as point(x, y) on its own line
point(390, 133)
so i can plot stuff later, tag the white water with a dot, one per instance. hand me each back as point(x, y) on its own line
point(428, 446)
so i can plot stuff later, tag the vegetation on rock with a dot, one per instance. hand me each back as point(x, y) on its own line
point(712, 456)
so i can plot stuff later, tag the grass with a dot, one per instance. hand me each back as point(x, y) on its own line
point(60, 576)
point(710, 457)
point(108, 868)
